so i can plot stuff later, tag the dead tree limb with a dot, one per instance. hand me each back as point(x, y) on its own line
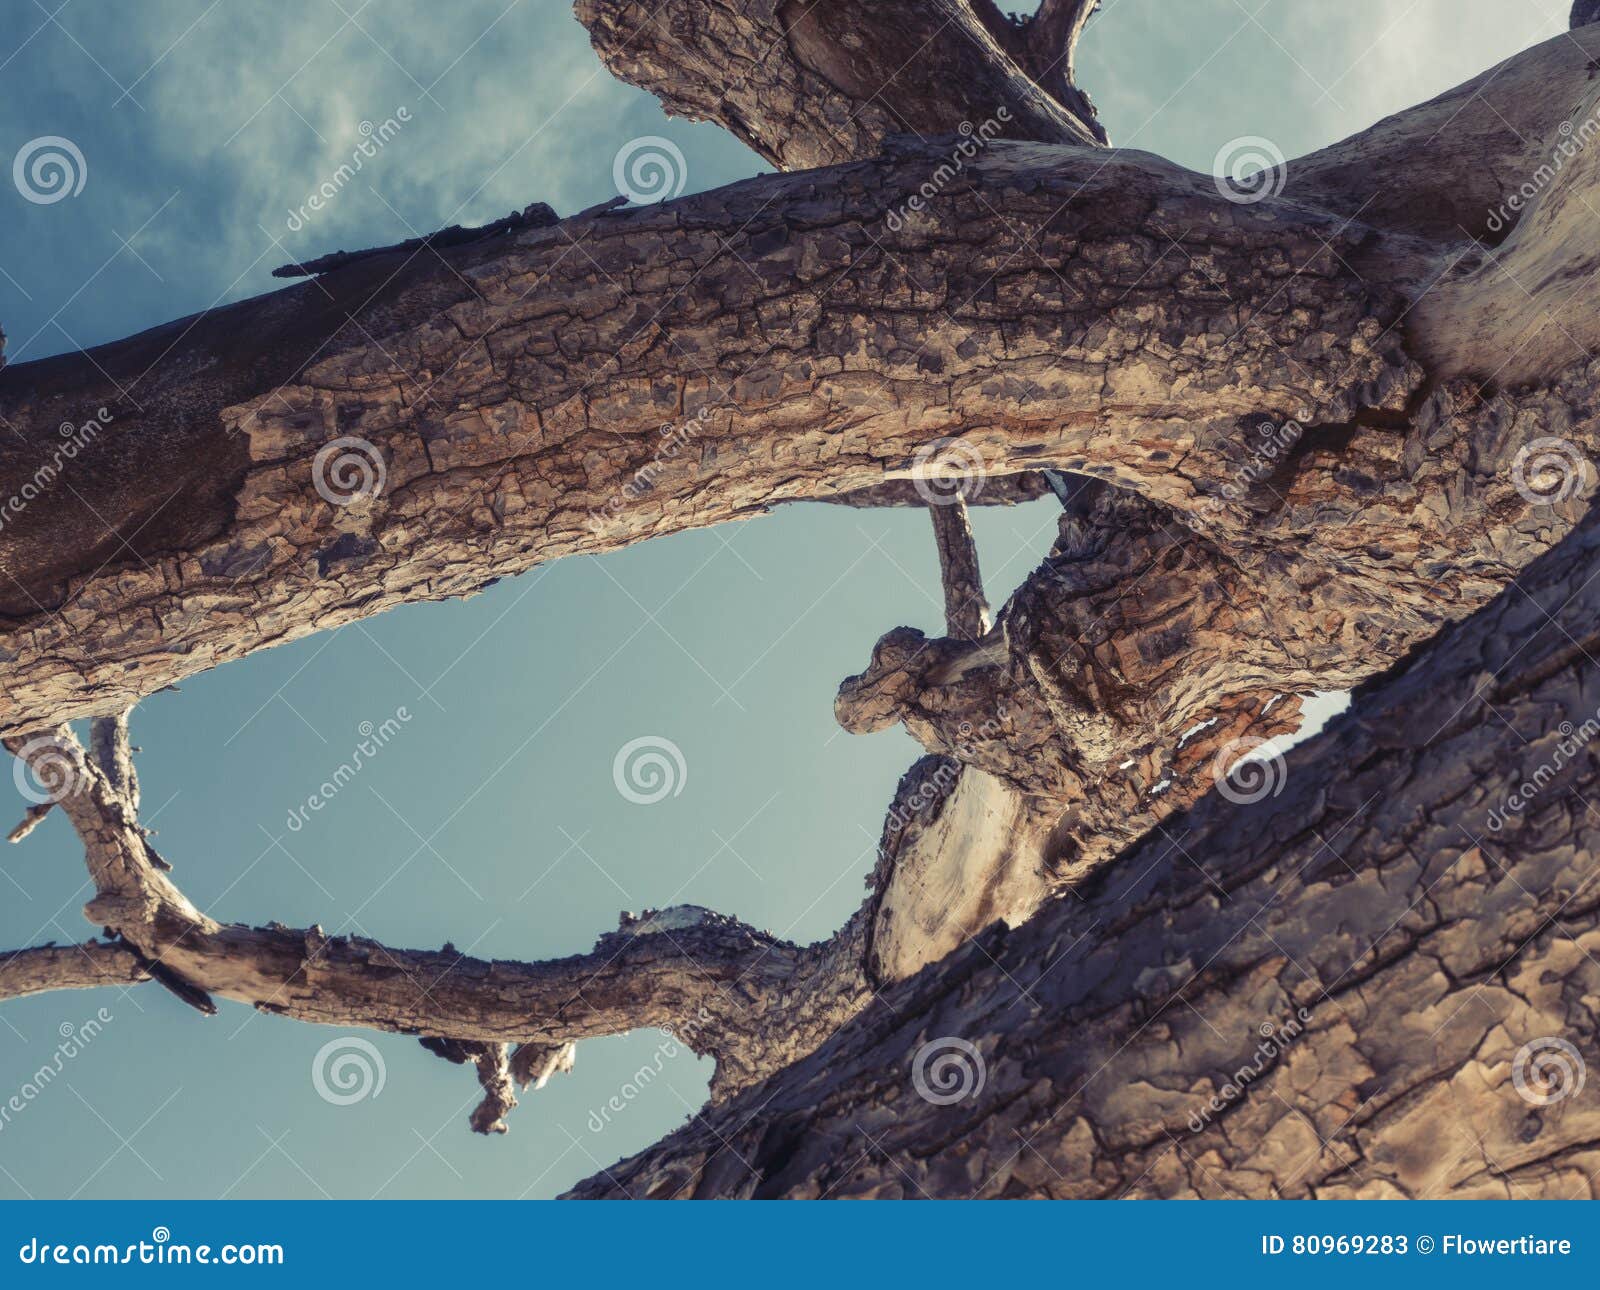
point(966, 609)
point(752, 1002)
point(69, 967)
point(1142, 319)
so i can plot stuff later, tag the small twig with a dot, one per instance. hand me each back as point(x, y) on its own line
point(30, 821)
point(494, 1076)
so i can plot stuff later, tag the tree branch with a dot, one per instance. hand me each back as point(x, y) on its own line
point(723, 986)
point(966, 609)
point(32, 818)
point(69, 967)
point(814, 83)
point(1044, 45)
point(541, 415)
point(494, 1074)
point(1453, 169)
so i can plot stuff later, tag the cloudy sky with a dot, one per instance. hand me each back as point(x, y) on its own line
point(492, 820)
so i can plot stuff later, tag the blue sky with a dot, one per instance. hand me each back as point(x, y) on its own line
point(491, 819)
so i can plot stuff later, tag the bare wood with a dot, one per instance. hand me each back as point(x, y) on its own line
point(805, 394)
point(493, 1068)
point(1453, 168)
point(730, 991)
point(1043, 306)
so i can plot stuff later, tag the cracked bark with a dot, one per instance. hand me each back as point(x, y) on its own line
point(68, 967)
point(1424, 946)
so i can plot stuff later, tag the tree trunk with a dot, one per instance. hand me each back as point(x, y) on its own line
point(1378, 982)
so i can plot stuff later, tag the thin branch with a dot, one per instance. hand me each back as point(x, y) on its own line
point(675, 968)
point(532, 1065)
point(966, 610)
point(31, 819)
point(69, 967)
point(1055, 30)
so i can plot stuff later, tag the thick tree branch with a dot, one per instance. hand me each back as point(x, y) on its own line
point(1138, 318)
point(809, 83)
point(398, 431)
point(1454, 168)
